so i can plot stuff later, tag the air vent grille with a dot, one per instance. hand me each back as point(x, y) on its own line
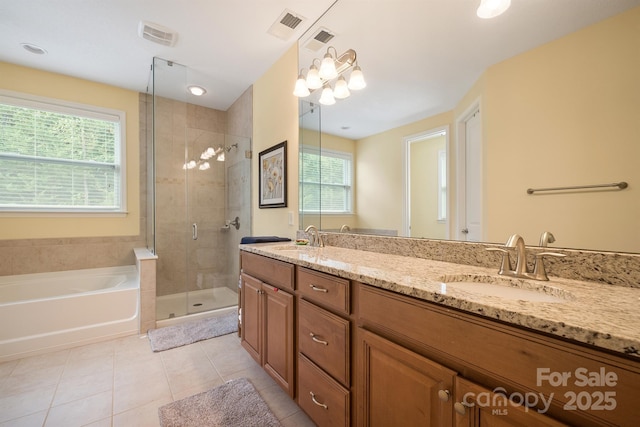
point(284, 27)
point(157, 33)
point(323, 36)
point(319, 39)
point(290, 21)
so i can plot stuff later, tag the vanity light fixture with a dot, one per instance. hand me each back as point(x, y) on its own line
point(331, 67)
point(197, 90)
point(492, 8)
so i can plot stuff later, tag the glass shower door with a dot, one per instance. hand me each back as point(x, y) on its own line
point(170, 170)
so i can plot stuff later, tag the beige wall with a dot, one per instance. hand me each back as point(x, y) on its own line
point(275, 119)
point(566, 114)
point(36, 82)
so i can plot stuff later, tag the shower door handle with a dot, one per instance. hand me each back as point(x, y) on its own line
point(195, 231)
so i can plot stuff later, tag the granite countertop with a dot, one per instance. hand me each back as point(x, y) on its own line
point(601, 315)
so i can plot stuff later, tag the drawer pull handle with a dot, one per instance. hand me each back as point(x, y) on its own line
point(317, 289)
point(313, 397)
point(319, 341)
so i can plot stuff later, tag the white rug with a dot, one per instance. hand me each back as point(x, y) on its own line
point(233, 404)
point(190, 332)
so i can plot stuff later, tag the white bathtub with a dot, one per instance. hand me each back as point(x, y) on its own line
point(51, 311)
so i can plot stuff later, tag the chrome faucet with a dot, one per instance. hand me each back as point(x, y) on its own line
point(345, 228)
point(516, 241)
point(546, 238)
point(316, 237)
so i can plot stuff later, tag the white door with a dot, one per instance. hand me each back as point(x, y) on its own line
point(470, 177)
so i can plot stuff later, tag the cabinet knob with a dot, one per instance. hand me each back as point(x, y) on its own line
point(313, 397)
point(460, 408)
point(444, 395)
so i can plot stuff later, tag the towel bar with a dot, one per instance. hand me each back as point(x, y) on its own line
point(620, 185)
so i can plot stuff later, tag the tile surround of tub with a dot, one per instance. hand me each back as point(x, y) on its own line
point(619, 269)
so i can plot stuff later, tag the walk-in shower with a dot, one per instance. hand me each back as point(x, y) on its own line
point(198, 185)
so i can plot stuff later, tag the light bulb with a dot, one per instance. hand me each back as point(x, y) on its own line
point(492, 8)
point(220, 157)
point(327, 96)
point(204, 166)
point(313, 78)
point(328, 68)
point(301, 90)
point(341, 90)
point(356, 80)
point(197, 90)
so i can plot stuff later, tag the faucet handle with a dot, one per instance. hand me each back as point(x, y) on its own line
point(539, 271)
point(505, 265)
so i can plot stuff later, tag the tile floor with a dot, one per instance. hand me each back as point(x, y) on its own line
point(123, 383)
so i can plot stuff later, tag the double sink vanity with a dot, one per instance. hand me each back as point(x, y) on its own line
point(370, 338)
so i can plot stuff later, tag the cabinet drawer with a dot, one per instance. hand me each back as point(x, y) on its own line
point(326, 290)
point(324, 338)
point(271, 271)
point(324, 400)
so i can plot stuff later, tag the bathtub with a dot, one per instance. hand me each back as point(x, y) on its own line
point(51, 311)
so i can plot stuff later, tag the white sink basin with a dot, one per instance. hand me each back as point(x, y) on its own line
point(505, 287)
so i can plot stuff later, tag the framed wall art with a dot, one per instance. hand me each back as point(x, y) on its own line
point(272, 172)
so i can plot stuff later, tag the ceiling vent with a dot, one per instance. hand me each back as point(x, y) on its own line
point(319, 39)
point(157, 33)
point(285, 25)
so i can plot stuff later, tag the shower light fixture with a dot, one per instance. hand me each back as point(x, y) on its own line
point(331, 67)
point(492, 8)
point(197, 90)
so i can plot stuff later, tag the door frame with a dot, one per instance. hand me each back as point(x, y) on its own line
point(406, 166)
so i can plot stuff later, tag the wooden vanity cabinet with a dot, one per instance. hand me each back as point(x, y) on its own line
point(324, 347)
point(517, 362)
point(365, 356)
point(267, 331)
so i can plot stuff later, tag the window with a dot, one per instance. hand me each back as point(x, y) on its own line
point(60, 157)
point(325, 181)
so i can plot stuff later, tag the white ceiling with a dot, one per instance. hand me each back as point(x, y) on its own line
point(436, 48)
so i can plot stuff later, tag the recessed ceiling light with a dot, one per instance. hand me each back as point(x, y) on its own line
point(197, 90)
point(33, 48)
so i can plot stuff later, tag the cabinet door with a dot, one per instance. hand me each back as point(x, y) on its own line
point(398, 387)
point(251, 303)
point(476, 406)
point(278, 351)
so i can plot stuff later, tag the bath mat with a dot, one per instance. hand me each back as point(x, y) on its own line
point(235, 403)
point(190, 332)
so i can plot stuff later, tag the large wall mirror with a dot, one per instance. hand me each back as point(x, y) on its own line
point(546, 95)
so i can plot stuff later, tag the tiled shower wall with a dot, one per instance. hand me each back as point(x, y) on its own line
point(203, 202)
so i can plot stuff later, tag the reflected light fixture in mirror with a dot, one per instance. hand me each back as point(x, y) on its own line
point(327, 97)
point(492, 8)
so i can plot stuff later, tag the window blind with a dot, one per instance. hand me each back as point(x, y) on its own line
point(59, 158)
point(325, 181)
